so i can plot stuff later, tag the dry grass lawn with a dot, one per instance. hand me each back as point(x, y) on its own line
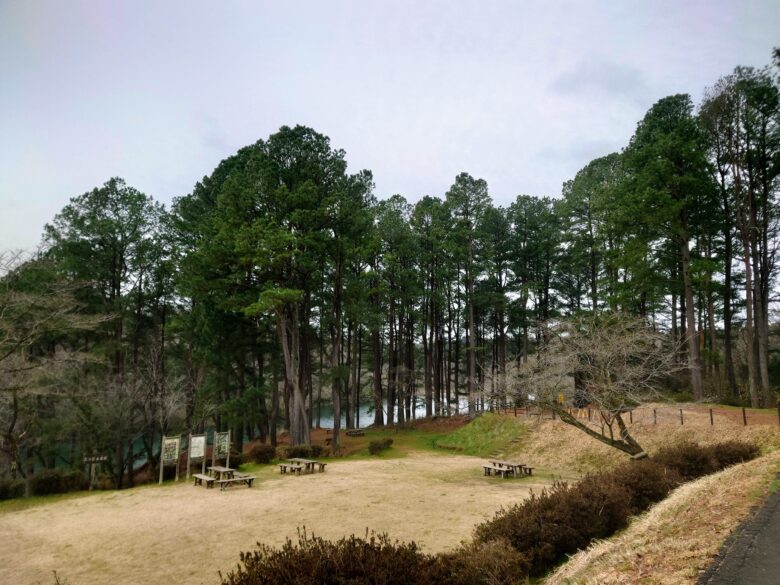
point(185, 534)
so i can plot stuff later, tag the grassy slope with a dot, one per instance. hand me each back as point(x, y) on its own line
point(483, 436)
point(676, 539)
point(564, 450)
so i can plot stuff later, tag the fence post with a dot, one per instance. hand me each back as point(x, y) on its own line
point(744, 416)
point(655, 417)
point(681, 417)
point(589, 414)
point(631, 417)
point(711, 421)
point(515, 410)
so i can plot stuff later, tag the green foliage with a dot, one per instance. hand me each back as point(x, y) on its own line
point(482, 436)
point(375, 447)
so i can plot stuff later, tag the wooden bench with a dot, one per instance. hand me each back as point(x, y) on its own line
point(354, 433)
point(237, 478)
point(527, 470)
point(322, 465)
point(200, 479)
point(283, 467)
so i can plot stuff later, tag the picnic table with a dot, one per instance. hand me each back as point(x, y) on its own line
point(506, 468)
point(224, 476)
point(219, 473)
point(298, 465)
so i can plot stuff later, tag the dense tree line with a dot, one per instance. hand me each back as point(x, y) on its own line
point(281, 284)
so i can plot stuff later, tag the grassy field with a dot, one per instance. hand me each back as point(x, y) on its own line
point(413, 491)
point(428, 487)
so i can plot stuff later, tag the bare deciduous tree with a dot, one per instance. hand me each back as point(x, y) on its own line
point(37, 310)
point(612, 362)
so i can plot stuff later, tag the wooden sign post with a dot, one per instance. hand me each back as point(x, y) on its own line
point(221, 448)
point(169, 454)
point(92, 461)
point(196, 449)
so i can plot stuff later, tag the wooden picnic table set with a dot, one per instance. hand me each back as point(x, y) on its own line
point(507, 468)
point(223, 476)
point(298, 465)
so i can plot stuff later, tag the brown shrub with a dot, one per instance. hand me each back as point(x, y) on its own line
point(489, 563)
point(262, 453)
point(687, 458)
point(353, 560)
point(646, 481)
point(730, 453)
point(379, 445)
point(560, 520)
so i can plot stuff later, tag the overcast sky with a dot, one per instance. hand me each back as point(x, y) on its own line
point(522, 94)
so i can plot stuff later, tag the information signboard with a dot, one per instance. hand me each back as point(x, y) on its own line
point(196, 451)
point(197, 446)
point(221, 448)
point(222, 444)
point(169, 454)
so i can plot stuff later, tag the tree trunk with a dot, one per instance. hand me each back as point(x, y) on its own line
point(289, 339)
point(694, 360)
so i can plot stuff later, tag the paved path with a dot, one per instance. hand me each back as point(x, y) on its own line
point(752, 555)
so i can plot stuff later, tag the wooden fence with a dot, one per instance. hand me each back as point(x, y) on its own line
point(663, 415)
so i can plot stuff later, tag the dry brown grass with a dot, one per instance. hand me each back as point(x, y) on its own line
point(677, 539)
point(564, 450)
point(180, 533)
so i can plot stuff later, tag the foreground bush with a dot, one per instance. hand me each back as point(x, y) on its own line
point(350, 560)
point(11, 488)
point(57, 481)
point(691, 460)
point(687, 458)
point(486, 563)
point(560, 520)
point(262, 453)
point(646, 482)
point(563, 519)
point(377, 560)
point(379, 445)
point(730, 453)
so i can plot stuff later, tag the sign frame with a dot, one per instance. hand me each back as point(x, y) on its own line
point(220, 439)
point(93, 461)
point(201, 439)
point(168, 444)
